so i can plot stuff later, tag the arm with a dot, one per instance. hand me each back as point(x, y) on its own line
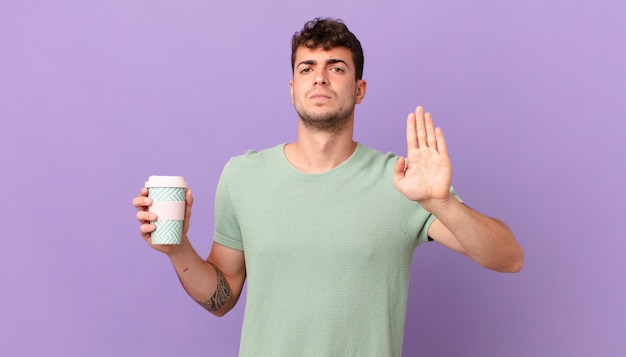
point(425, 176)
point(216, 283)
point(487, 241)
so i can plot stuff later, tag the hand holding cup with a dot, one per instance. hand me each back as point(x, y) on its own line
point(164, 208)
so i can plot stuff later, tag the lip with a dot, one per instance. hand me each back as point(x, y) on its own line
point(319, 96)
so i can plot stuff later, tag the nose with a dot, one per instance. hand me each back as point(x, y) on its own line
point(321, 78)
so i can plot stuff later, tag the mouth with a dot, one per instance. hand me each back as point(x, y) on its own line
point(319, 96)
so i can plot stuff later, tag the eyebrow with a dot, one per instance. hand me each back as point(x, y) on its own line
point(328, 61)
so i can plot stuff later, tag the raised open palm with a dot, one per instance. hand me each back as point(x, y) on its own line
point(426, 173)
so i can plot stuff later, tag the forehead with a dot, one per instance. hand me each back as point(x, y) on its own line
point(320, 55)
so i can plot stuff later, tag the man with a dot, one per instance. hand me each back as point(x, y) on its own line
point(324, 228)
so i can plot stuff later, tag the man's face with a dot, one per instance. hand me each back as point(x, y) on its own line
point(324, 89)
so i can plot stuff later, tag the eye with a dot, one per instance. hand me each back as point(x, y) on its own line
point(306, 70)
point(336, 69)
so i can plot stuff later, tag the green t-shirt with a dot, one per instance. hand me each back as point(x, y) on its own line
point(327, 255)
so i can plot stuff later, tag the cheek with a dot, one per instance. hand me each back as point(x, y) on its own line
point(294, 95)
point(298, 93)
point(350, 95)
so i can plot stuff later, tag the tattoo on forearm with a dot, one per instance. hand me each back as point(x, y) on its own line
point(221, 296)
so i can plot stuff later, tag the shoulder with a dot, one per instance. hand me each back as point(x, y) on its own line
point(373, 158)
point(250, 167)
point(375, 153)
point(253, 158)
point(264, 154)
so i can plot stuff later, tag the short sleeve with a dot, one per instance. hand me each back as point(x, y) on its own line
point(422, 236)
point(227, 230)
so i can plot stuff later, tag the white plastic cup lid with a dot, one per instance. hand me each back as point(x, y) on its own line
point(166, 181)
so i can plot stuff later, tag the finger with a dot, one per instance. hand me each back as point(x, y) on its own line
point(411, 135)
point(441, 142)
point(398, 170)
point(188, 203)
point(420, 126)
point(430, 131)
point(188, 197)
point(138, 201)
point(145, 216)
point(146, 229)
point(399, 167)
point(142, 203)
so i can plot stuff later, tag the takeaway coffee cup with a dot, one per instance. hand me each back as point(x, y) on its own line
point(168, 202)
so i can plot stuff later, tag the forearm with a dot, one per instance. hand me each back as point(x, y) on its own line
point(201, 280)
point(488, 241)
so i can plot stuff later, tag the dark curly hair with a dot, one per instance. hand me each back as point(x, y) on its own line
point(328, 34)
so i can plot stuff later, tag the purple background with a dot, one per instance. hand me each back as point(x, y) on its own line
point(97, 95)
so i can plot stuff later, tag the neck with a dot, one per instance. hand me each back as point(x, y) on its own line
point(319, 151)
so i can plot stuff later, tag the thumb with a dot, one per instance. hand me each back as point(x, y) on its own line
point(188, 204)
point(188, 197)
point(398, 169)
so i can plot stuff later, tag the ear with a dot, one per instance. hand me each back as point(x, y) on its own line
point(361, 88)
point(291, 90)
